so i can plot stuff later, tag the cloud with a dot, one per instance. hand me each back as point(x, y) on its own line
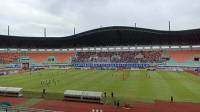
point(29, 17)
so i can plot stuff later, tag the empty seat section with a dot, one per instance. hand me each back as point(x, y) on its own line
point(61, 57)
point(7, 58)
point(183, 55)
point(38, 57)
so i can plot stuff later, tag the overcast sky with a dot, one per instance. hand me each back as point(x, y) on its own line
point(29, 17)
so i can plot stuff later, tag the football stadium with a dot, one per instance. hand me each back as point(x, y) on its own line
point(108, 69)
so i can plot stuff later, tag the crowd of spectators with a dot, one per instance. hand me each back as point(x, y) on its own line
point(119, 57)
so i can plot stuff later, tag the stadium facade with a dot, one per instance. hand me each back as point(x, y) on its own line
point(125, 50)
point(108, 47)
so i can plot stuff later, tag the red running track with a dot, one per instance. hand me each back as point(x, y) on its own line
point(13, 100)
point(157, 106)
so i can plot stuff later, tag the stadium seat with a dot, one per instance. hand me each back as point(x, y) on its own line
point(38, 57)
point(183, 55)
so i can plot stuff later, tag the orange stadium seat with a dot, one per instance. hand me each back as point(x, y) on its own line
point(38, 57)
point(183, 55)
point(43, 56)
point(9, 57)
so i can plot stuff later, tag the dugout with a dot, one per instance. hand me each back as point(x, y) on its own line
point(85, 96)
point(11, 91)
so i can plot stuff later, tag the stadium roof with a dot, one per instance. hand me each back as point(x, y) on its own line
point(106, 36)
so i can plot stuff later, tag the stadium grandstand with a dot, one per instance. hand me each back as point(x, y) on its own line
point(105, 45)
point(68, 65)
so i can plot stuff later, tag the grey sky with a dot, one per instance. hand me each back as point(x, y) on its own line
point(29, 17)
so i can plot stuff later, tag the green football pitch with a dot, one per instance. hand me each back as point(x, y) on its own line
point(128, 86)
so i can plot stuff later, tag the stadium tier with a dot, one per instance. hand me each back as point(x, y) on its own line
point(184, 57)
point(155, 57)
point(175, 57)
point(108, 45)
point(35, 57)
point(119, 57)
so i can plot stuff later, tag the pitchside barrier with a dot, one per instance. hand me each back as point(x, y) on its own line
point(11, 91)
point(86, 96)
point(128, 65)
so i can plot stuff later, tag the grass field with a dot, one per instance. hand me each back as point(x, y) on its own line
point(135, 86)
